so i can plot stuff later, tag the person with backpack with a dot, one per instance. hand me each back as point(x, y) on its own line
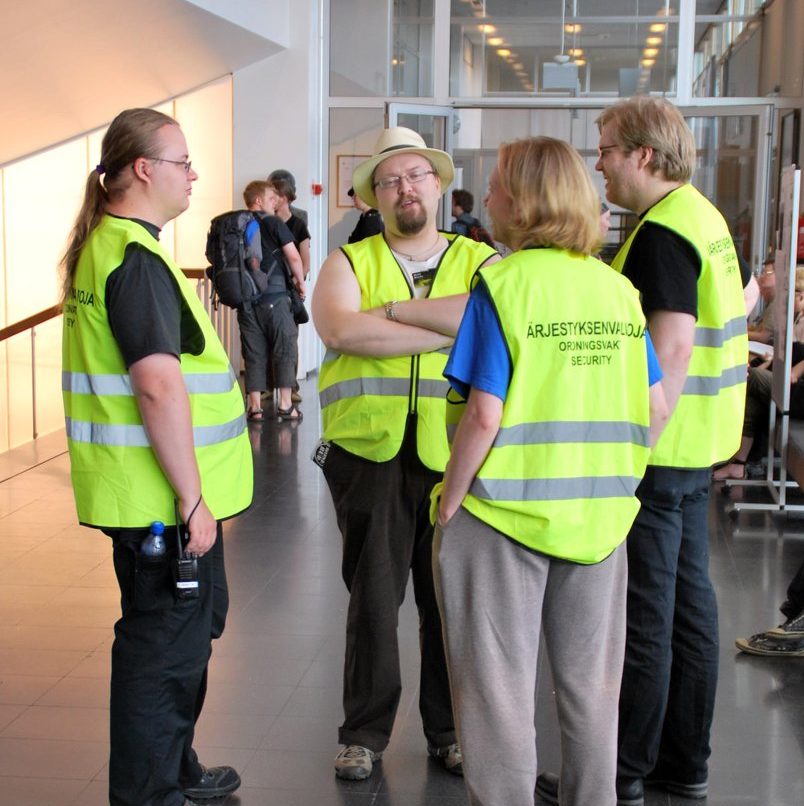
point(267, 330)
point(465, 223)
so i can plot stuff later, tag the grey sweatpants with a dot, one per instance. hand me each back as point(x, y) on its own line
point(495, 596)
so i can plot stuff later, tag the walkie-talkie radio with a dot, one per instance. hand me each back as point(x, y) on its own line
point(186, 565)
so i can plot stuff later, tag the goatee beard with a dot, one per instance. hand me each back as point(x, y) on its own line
point(412, 223)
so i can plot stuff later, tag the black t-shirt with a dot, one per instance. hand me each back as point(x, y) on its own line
point(146, 310)
point(369, 223)
point(664, 267)
point(275, 234)
point(298, 229)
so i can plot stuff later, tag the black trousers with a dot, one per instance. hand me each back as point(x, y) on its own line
point(159, 671)
point(383, 514)
point(794, 605)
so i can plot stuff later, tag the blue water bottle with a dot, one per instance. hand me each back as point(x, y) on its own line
point(154, 543)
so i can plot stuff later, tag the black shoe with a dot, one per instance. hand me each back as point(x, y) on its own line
point(547, 787)
point(689, 791)
point(215, 782)
point(629, 790)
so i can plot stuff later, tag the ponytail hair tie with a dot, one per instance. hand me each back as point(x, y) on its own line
point(99, 169)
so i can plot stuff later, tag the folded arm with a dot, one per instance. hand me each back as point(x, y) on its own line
point(442, 315)
point(342, 325)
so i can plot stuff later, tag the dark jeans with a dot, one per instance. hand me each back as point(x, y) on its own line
point(159, 672)
point(268, 335)
point(671, 653)
point(794, 605)
point(383, 515)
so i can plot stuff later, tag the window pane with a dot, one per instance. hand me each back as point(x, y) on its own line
point(519, 47)
point(381, 48)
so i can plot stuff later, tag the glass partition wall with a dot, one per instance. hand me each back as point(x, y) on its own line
point(512, 68)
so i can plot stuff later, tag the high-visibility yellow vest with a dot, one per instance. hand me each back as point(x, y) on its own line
point(706, 425)
point(574, 438)
point(365, 401)
point(117, 480)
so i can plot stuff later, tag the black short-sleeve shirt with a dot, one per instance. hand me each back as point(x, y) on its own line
point(298, 229)
point(664, 267)
point(275, 235)
point(147, 312)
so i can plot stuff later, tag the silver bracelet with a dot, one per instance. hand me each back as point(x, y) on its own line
point(389, 310)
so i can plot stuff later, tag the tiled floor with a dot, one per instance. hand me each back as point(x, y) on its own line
point(274, 701)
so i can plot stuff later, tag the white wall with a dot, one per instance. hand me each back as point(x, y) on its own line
point(276, 122)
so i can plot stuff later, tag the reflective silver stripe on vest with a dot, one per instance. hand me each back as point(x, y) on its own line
point(572, 431)
point(717, 336)
point(433, 389)
point(82, 383)
point(331, 355)
point(134, 436)
point(555, 489)
point(364, 386)
point(708, 385)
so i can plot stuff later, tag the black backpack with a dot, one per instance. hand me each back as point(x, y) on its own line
point(232, 282)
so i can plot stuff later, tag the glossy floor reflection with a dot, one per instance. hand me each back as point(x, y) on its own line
point(275, 683)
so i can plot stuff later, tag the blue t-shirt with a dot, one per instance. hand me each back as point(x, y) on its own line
point(480, 359)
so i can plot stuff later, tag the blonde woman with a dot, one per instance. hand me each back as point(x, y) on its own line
point(553, 361)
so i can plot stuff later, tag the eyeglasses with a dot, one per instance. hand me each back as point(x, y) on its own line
point(188, 165)
point(393, 182)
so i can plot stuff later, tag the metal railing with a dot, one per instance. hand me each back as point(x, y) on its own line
point(224, 320)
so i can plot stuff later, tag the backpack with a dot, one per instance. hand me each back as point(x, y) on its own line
point(232, 282)
point(477, 232)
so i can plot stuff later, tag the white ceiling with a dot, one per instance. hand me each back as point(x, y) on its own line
point(68, 66)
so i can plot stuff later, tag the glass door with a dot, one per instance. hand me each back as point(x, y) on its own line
point(436, 125)
point(734, 171)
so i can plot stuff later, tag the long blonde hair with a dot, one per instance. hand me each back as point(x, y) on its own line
point(555, 203)
point(132, 134)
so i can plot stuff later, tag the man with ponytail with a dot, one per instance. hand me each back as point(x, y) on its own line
point(156, 432)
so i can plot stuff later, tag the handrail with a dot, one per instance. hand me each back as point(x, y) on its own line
point(55, 310)
point(223, 320)
point(29, 322)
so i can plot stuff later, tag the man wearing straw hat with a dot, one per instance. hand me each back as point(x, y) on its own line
point(387, 308)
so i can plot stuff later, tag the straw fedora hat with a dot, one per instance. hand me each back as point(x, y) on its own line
point(399, 140)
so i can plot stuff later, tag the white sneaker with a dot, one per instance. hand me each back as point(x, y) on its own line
point(354, 763)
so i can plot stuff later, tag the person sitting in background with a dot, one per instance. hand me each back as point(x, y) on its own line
point(758, 394)
point(370, 221)
point(762, 327)
point(786, 640)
